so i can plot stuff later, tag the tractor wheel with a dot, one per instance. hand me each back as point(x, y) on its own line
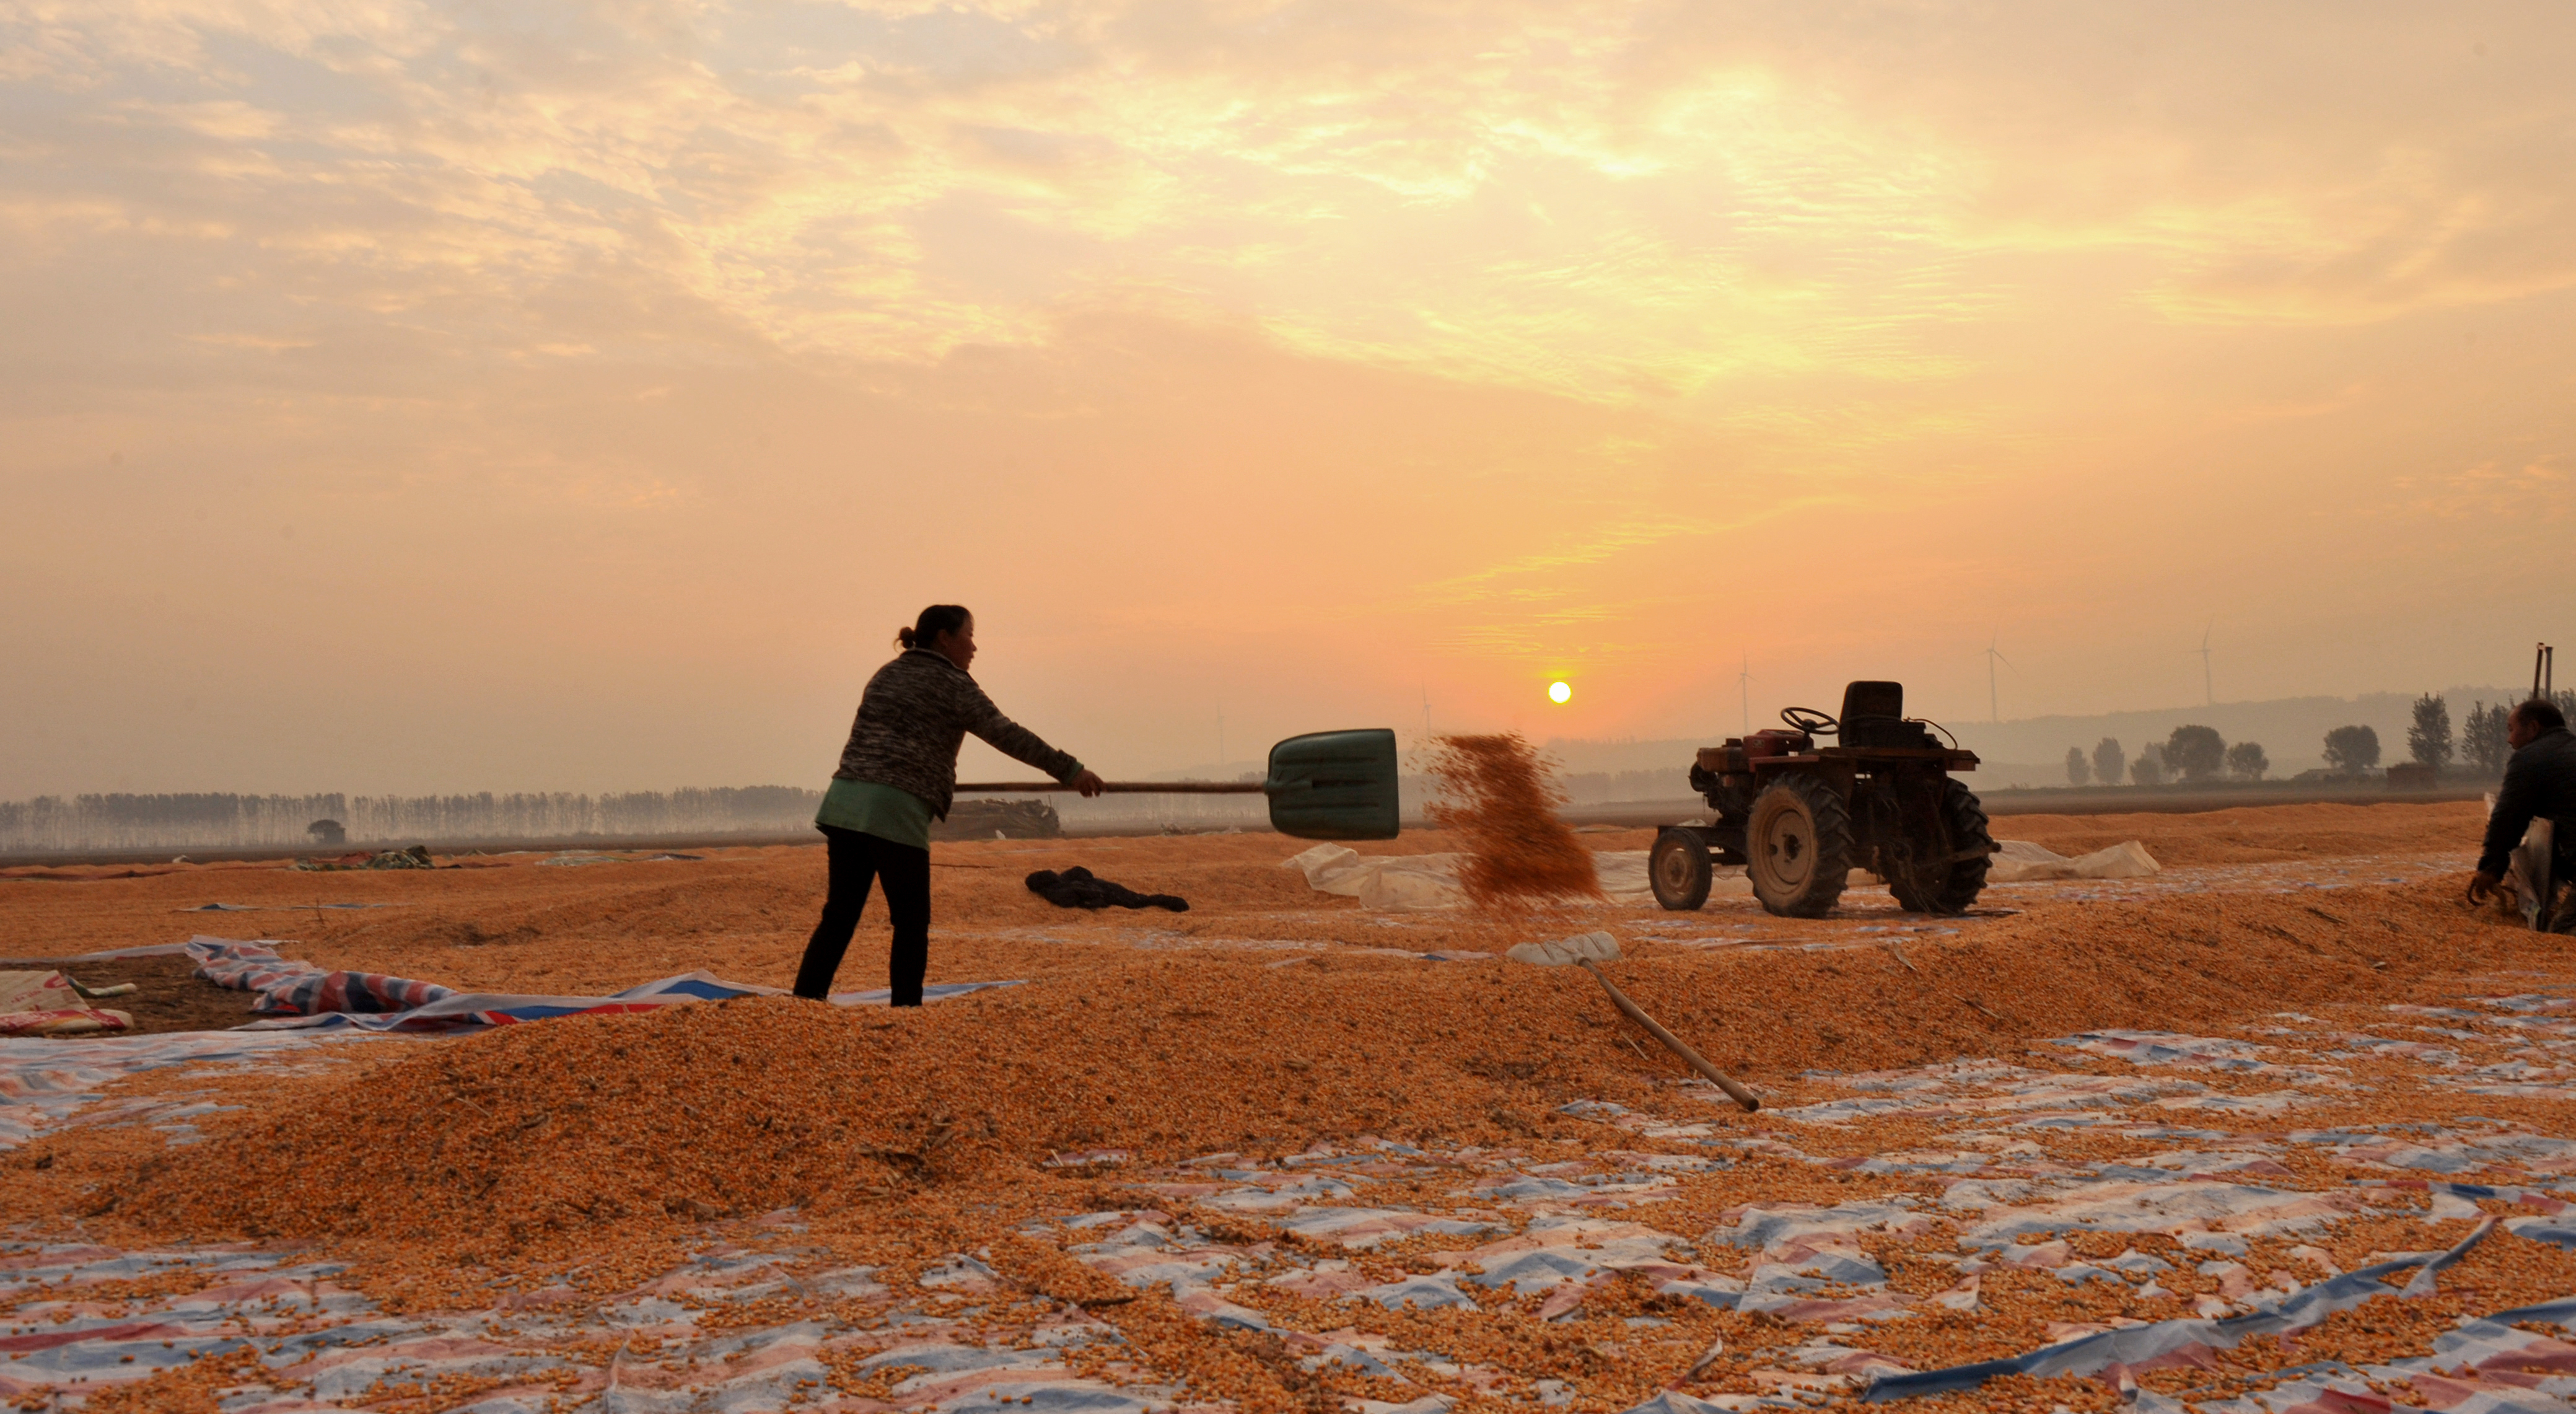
point(1798, 846)
point(1952, 887)
point(1679, 869)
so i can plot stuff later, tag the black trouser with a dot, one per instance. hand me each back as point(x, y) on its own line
point(856, 859)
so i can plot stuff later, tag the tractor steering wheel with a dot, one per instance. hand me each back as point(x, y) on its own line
point(1810, 721)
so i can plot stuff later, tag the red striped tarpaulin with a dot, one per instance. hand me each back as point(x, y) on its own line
point(288, 988)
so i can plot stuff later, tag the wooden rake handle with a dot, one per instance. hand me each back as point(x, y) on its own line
point(1673, 1043)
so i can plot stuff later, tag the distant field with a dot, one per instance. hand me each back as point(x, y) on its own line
point(2156, 800)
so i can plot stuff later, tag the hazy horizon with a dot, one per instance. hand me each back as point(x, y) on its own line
point(409, 397)
point(2291, 752)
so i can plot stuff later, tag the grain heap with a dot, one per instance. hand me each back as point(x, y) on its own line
point(744, 913)
point(748, 1105)
point(595, 1152)
point(1613, 1344)
point(1499, 797)
point(740, 1107)
point(649, 1124)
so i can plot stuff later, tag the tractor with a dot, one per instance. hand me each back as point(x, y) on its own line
point(1800, 817)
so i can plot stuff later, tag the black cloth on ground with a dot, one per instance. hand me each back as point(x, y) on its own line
point(856, 861)
point(1078, 888)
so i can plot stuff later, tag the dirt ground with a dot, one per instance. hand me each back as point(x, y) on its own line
point(517, 924)
point(169, 996)
point(1176, 1078)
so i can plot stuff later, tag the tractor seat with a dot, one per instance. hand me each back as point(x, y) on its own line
point(1874, 716)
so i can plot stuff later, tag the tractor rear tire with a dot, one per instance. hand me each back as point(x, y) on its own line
point(1798, 846)
point(1952, 888)
point(1679, 869)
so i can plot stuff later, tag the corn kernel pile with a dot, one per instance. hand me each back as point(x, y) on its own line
point(954, 1154)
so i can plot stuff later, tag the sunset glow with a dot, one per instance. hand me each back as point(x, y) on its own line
point(415, 397)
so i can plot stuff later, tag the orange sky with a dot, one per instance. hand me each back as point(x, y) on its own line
point(419, 397)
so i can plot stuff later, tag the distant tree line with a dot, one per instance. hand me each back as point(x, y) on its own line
point(2199, 754)
point(2190, 753)
point(2482, 732)
point(225, 821)
point(2352, 750)
point(2481, 745)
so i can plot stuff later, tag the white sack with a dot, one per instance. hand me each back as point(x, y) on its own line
point(2021, 862)
point(2127, 860)
point(1329, 868)
point(1389, 881)
point(1411, 881)
point(1406, 882)
point(1621, 871)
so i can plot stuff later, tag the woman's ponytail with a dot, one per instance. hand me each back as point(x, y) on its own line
point(934, 621)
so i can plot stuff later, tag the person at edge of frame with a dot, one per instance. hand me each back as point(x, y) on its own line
point(2539, 783)
point(896, 776)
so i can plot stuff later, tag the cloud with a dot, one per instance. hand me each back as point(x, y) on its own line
point(2535, 492)
point(1479, 334)
point(1603, 200)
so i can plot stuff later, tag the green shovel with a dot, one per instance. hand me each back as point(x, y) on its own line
point(1322, 786)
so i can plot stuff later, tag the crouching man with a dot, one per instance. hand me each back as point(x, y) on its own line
point(2539, 784)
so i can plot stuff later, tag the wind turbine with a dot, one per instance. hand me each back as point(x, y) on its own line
point(1994, 656)
point(1744, 685)
point(2206, 690)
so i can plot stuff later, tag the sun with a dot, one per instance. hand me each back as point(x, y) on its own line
point(1558, 692)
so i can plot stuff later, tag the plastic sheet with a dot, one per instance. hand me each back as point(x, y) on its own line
point(2021, 862)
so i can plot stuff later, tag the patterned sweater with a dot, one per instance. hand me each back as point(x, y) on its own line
point(913, 717)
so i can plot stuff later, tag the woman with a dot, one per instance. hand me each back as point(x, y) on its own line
point(896, 776)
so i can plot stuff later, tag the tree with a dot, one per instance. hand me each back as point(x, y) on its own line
point(2352, 749)
point(2195, 753)
point(2149, 768)
point(2078, 770)
point(2429, 739)
point(2246, 761)
point(2482, 742)
point(2109, 762)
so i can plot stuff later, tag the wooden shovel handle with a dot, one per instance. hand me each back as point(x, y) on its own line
point(1117, 788)
point(1673, 1043)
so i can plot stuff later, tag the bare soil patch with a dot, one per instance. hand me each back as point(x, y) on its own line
point(169, 996)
